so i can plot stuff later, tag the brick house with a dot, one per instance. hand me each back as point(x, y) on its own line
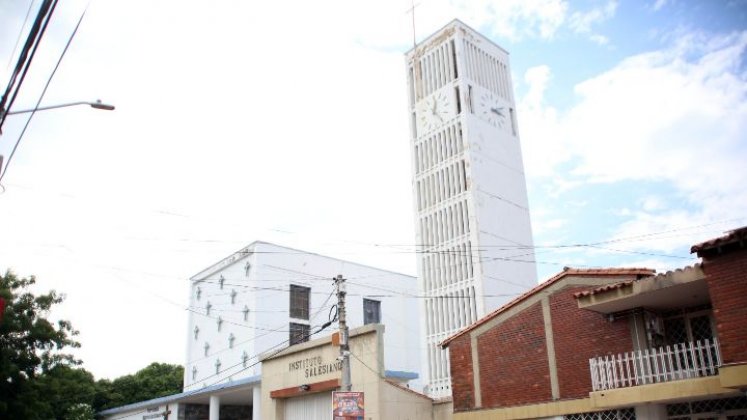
point(615, 343)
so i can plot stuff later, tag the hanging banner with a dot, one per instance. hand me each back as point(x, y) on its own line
point(347, 405)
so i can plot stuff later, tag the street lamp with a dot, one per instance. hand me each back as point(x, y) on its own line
point(97, 105)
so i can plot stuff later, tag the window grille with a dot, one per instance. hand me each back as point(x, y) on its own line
point(371, 311)
point(299, 333)
point(721, 405)
point(623, 414)
point(299, 302)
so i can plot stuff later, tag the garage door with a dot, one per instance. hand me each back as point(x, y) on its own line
point(310, 407)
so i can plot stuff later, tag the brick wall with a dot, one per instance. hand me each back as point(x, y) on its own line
point(727, 284)
point(462, 381)
point(513, 361)
point(580, 335)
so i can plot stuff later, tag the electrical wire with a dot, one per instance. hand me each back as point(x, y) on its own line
point(26, 57)
point(20, 33)
point(44, 91)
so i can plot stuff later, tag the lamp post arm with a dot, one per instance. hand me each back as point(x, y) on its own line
point(97, 105)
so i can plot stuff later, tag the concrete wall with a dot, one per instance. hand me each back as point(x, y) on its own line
point(402, 404)
point(365, 370)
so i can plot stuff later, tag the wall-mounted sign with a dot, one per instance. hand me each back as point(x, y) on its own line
point(315, 366)
point(347, 405)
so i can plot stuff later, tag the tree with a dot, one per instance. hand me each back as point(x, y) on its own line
point(155, 380)
point(30, 346)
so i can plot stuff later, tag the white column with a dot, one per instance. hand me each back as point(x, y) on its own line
point(214, 407)
point(256, 403)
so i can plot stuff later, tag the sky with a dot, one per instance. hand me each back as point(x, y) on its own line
point(287, 122)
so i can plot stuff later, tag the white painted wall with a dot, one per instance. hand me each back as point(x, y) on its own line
point(496, 197)
point(154, 412)
point(265, 291)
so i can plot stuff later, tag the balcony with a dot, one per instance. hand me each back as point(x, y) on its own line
point(656, 365)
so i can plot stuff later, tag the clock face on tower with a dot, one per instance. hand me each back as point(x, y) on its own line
point(434, 111)
point(491, 109)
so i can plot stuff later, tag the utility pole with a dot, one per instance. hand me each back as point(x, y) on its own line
point(344, 344)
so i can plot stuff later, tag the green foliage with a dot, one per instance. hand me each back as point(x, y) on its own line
point(156, 380)
point(30, 347)
point(39, 380)
point(80, 411)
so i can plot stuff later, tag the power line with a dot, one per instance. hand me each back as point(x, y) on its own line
point(44, 91)
point(26, 57)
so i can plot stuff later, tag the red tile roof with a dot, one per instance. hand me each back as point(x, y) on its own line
point(620, 285)
point(567, 271)
point(604, 288)
point(732, 236)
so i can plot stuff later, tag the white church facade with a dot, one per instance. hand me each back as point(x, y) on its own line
point(263, 299)
point(472, 216)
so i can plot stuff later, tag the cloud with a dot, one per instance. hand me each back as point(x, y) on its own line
point(582, 22)
point(674, 117)
point(659, 4)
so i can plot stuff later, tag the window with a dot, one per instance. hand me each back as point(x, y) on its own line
point(194, 372)
point(197, 331)
point(198, 293)
point(217, 366)
point(247, 268)
point(371, 311)
point(299, 301)
point(219, 322)
point(246, 313)
point(207, 308)
point(231, 339)
point(221, 281)
point(207, 348)
point(233, 296)
point(299, 333)
point(244, 359)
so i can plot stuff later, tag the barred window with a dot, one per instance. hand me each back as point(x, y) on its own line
point(622, 414)
point(299, 302)
point(371, 311)
point(299, 333)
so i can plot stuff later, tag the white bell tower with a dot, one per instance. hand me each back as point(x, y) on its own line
point(472, 215)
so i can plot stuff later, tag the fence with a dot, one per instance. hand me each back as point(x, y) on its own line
point(655, 365)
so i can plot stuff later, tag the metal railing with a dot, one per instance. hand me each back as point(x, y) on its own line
point(655, 365)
